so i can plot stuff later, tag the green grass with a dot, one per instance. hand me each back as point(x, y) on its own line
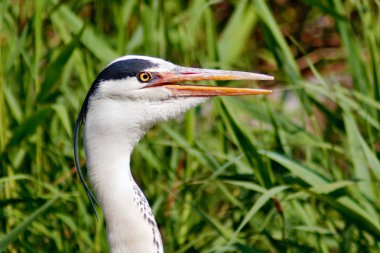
point(296, 171)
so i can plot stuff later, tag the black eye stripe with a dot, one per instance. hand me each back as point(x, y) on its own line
point(125, 68)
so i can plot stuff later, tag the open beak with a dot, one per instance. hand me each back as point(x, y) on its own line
point(173, 81)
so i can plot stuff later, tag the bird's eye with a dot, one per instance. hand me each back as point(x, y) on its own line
point(145, 76)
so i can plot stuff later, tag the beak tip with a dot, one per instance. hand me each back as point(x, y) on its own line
point(265, 92)
point(261, 77)
point(269, 78)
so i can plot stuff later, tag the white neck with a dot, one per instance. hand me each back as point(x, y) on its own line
point(112, 128)
point(131, 226)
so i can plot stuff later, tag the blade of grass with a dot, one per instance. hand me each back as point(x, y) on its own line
point(54, 69)
point(236, 33)
point(354, 213)
point(290, 68)
point(20, 228)
point(246, 145)
point(359, 159)
point(28, 126)
point(255, 208)
point(297, 169)
point(97, 45)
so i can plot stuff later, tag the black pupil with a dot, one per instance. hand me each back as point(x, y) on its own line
point(144, 77)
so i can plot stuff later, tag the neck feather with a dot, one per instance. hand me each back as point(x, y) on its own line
point(131, 226)
point(112, 129)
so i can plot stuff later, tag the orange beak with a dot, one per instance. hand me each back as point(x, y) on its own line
point(173, 81)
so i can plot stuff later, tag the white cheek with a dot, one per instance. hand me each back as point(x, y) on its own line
point(151, 95)
point(119, 88)
point(130, 90)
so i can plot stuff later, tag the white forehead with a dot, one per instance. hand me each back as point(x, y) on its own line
point(162, 64)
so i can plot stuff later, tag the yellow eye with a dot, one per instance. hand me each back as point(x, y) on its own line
point(145, 77)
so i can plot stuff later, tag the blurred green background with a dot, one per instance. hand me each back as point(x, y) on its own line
point(296, 171)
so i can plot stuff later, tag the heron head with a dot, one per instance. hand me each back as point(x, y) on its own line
point(134, 92)
point(147, 78)
point(147, 89)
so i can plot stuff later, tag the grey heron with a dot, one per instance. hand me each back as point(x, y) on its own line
point(125, 100)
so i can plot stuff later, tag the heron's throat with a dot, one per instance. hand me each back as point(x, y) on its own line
point(131, 226)
point(112, 129)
